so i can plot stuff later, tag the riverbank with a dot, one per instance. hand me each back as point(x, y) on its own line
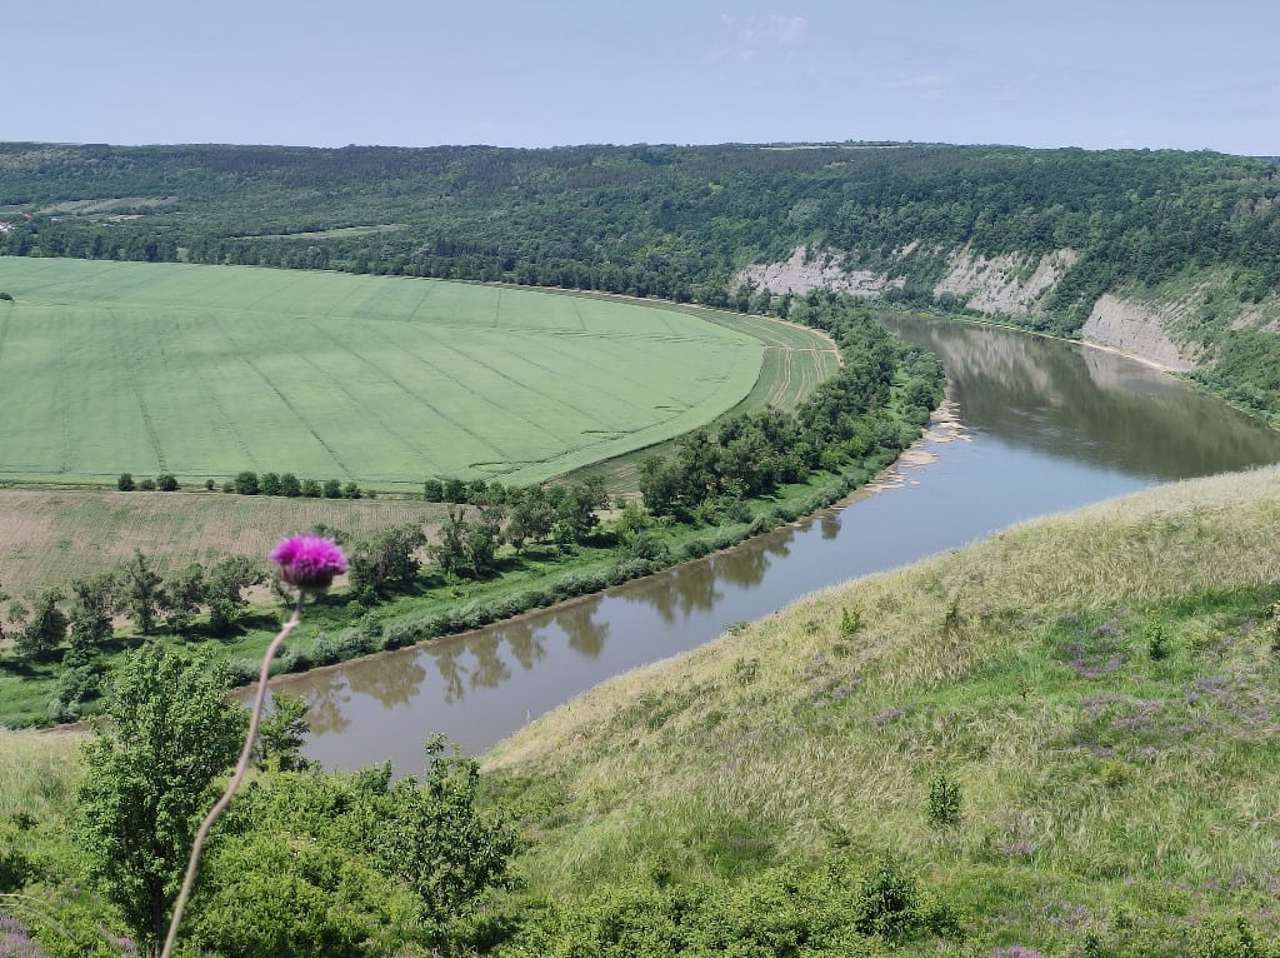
point(1098, 688)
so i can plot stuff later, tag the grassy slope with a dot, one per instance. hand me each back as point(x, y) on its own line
point(111, 367)
point(1102, 790)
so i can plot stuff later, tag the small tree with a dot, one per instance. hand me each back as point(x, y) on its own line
point(283, 733)
point(386, 562)
point(270, 484)
point(138, 592)
point(483, 537)
point(181, 597)
point(455, 491)
point(224, 589)
point(290, 486)
point(208, 485)
point(351, 491)
point(433, 490)
point(332, 489)
point(311, 489)
point(149, 774)
point(532, 517)
point(125, 482)
point(167, 482)
point(92, 603)
point(246, 483)
point(45, 628)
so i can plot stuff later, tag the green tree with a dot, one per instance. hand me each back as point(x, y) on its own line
point(246, 483)
point(532, 517)
point(386, 562)
point(125, 482)
point(181, 597)
point(149, 776)
point(167, 482)
point(433, 490)
point(270, 484)
point(332, 489)
point(433, 837)
point(138, 592)
point(224, 590)
point(92, 604)
point(283, 732)
point(289, 486)
point(45, 627)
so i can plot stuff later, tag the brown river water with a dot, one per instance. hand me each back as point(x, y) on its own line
point(1032, 426)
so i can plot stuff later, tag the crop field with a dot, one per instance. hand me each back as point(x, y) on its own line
point(204, 371)
point(49, 537)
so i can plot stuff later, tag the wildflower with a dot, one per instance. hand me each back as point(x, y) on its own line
point(309, 562)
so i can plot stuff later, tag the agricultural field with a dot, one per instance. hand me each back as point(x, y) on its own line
point(51, 536)
point(204, 371)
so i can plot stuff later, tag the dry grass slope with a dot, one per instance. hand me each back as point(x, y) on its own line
point(1097, 782)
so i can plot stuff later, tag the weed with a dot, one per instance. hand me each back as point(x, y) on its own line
point(943, 808)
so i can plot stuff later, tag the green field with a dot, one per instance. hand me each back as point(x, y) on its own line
point(204, 371)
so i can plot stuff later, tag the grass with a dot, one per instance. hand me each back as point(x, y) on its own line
point(1103, 793)
point(108, 367)
point(48, 537)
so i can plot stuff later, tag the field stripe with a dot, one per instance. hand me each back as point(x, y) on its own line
point(306, 423)
point(122, 361)
point(412, 393)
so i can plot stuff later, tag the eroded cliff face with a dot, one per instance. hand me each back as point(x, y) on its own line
point(1008, 285)
point(807, 270)
point(1151, 325)
point(1141, 329)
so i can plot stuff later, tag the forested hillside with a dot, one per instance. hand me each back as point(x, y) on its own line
point(1174, 256)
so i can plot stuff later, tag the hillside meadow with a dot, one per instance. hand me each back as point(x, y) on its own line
point(205, 371)
point(1067, 731)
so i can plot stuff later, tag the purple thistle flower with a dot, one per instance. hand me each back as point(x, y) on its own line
point(309, 562)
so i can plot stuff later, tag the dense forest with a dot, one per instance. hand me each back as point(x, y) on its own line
point(650, 220)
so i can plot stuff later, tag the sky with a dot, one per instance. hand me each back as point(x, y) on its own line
point(1119, 73)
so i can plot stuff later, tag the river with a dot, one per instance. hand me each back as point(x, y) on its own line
point(1033, 426)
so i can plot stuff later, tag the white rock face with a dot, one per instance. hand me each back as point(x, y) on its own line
point(1139, 329)
point(1002, 284)
point(796, 276)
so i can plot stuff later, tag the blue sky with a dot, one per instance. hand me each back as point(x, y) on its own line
point(1120, 73)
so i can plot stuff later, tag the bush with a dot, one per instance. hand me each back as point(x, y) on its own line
point(208, 484)
point(332, 489)
point(290, 486)
point(167, 482)
point(1157, 642)
point(888, 902)
point(433, 490)
point(6, 297)
point(351, 491)
point(147, 485)
point(125, 482)
point(943, 808)
point(270, 484)
point(312, 489)
point(246, 483)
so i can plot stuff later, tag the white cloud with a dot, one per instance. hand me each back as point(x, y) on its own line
point(745, 38)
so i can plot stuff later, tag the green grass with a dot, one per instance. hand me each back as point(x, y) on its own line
point(204, 371)
point(1103, 792)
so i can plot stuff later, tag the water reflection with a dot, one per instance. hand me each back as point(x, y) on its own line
point(1050, 426)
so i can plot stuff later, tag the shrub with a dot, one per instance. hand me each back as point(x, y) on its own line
point(208, 484)
point(850, 622)
point(270, 484)
point(433, 490)
point(943, 808)
point(125, 482)
point(6, 297)
point(246, 483)
point(332, 489)
point(888, 902)
point(167, 482)
point(312, 489)
point(147, 485)
point(228, 486)
point(290, 486)
point(350, 491)
point(1157, 642)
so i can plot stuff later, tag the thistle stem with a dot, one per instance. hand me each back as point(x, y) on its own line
point(242, 766)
